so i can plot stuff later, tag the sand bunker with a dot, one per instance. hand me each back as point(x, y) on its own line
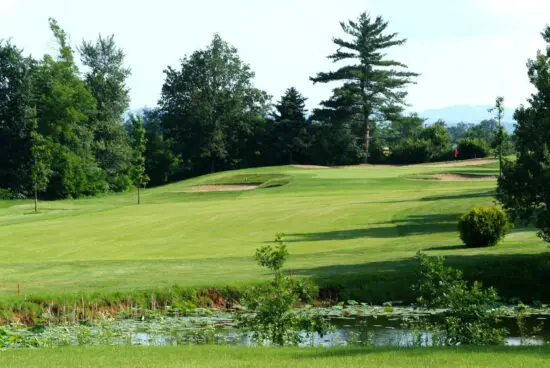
point(458, 177)
point(221, 188)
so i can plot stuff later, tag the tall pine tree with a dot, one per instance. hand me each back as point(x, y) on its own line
point(291, 125)
point(373, 87)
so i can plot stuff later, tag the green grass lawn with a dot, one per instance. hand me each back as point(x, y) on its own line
point(212, 356)
point(356, 223)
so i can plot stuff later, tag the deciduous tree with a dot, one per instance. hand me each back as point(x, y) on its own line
point(523, 188)
point(106, 77)
point(139, 145)
point(208, 107)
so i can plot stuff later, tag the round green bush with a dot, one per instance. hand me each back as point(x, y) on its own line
point(469, 148)
point(483, 227)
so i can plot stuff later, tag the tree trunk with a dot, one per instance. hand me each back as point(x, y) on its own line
point(500, 143)
point(367, 143)
point(139, 198)
point(290, 157)
point(500, 160)
point(35, 197)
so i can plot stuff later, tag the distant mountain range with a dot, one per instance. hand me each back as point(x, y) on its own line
point(453, 115)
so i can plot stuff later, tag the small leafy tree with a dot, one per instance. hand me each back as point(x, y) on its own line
point(469, 317)
point(500, 135)
point(271, 315)
point(439, 140)
point(138, 142)
point(40, 170)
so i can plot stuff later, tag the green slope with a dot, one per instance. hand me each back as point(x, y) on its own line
point(341, 223)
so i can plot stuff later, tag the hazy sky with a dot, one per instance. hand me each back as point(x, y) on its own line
point(468, 51)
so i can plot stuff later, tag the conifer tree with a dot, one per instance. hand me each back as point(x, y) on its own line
point(291, 124)
point(373, 86)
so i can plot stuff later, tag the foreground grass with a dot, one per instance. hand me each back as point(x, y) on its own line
point(207, 356)
point(358, 226)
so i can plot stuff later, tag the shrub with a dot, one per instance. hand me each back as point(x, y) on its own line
point(270, 314)
point(6, 194)
point(439, 140)
point(482, 227)
point(411, 151)
point(470, 312)
point(306, 289)
point(473, 148)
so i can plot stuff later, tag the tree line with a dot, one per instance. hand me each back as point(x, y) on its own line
point(61, 128)
point(63, 133)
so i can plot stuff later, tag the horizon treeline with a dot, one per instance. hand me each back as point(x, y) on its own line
point(64, 131)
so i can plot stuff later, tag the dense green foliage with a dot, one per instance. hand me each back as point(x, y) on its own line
point(424, 144)
point(210, 108)
point(210, 117)
point(290, 127)
point(64, 134)
point(17, 118)
point(106, 79)
point(138, 142)
point(482, 227)
point(523, 188)
point(469, 317)
point(469, 148)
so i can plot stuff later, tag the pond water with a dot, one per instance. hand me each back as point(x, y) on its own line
point(358, 325)
point(382, 331)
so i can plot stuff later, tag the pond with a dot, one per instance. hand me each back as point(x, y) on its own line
point(359, 325)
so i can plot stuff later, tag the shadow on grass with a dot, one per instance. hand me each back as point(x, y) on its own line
point(420, 354)
point(523, 276)
point(467, 195)
point(448, 247)
point(411, 225)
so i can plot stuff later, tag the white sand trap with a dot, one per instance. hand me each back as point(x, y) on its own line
point(458, 177)
point(460, 163)
point(220, 188)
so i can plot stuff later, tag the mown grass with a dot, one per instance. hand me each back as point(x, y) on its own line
point(356, 229)
point(214, 356)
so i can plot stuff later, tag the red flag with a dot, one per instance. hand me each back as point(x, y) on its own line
point(456, 153)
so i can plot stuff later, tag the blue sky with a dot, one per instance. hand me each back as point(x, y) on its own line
point(468, 51)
